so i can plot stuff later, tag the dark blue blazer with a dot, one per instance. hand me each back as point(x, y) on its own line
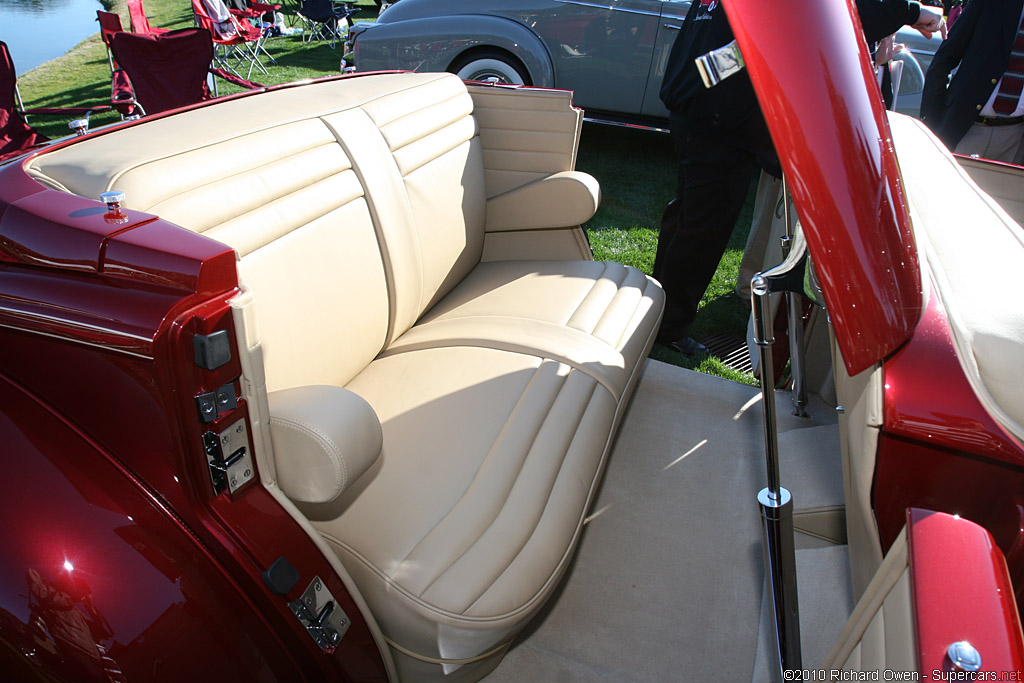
point(979, 43)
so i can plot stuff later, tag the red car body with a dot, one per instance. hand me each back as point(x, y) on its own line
point(114, 539)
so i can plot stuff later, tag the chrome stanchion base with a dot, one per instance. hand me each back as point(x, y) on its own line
point(780, 576)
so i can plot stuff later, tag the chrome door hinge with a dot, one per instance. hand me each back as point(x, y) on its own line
point(321, 615)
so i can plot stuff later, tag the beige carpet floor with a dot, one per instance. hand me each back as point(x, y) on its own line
point(667, 581)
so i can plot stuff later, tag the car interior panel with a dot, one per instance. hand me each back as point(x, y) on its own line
point(383, 190)
point(346, 341)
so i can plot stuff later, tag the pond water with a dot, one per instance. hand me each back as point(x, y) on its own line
point(37, 31)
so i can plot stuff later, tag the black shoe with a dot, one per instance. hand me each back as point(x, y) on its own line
point(687, 346)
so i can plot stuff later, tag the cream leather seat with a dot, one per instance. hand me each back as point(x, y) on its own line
point(440, 417)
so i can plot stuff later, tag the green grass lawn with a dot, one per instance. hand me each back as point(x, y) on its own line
point(636, 168)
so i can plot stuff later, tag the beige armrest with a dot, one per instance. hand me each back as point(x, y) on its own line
point(560, 200)
point(324, 439)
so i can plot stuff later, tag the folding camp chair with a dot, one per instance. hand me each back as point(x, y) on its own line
point(109, 23)
point(251, 10)
point(16, 135)
point(322, 19)
point(169, 70)
point(235, 38)
point(140, 22)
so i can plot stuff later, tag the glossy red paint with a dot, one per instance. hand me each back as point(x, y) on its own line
point(910, 474)
point(829, 128)
point(928, 367)
point(947, 455)
point(101, 317)
point(99, 579)
point(961, 592)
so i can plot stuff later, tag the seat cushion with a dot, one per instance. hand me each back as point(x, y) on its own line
point(597, 317)
point(466, 521)
point(497, 410)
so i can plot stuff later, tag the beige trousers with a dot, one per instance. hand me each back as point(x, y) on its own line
point(1000, 143)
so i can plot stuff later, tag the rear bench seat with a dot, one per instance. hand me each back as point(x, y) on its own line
point(416, 247)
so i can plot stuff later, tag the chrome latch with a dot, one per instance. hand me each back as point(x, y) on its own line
point(229, 457)
point(321, 615)
point(717, 65)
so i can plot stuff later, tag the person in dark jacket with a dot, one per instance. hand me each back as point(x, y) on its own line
point(718, 134)
point(980, 111)
point(882, 18)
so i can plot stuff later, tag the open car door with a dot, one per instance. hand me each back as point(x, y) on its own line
point(941, 606)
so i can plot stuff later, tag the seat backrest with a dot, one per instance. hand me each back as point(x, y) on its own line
point(137, 14)
point(15, 133)
point(110, 23)
point(353, 205)
point(317, 10)
point(166, 71)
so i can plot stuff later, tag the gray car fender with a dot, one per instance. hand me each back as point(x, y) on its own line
point(440, 41)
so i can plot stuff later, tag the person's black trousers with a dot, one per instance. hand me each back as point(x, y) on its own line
point(715, 171)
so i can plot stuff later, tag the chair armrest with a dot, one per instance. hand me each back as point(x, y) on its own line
point(324, 438)
point(65, 111)
point(237, 80)
point(122, 94)
point(560, 200)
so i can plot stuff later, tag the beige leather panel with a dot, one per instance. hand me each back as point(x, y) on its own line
point(526, 134)
point(272, 220)
point(88, 167)
point(231, 177)
point(425, 150)
point(986, 314)
point(392, 214)
point(324, 439)
point(467, 519)
point(447, 200)
point(530, 245)
point(861, 399)
point(416, 104)
point(879, 635)
point(598, 317)
point(303, 285)
point(556, 201)
point(1003, 183)
point(517, 335)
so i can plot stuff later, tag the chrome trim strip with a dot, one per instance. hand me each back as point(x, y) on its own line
point(623, 124)
point(76, 325)
point(41, 324)
point(80, 342)
point(605, 5)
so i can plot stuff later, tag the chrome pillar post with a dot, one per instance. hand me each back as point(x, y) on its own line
point(797, 365)
point(776, 502)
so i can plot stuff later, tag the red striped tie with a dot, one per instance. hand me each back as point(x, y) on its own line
point(1013, 78)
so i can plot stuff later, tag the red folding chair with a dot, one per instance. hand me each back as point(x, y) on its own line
point(169, 70)
point(140, 22)
point(16, 135)
point(233, 38)
point(109, 23)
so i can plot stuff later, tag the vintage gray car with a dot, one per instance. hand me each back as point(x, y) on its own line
point(611, 53)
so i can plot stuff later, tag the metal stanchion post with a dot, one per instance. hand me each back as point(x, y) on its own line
point(776, 502)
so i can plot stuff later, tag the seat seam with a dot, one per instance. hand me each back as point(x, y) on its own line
point(587, 404)
point(504, 428)
point(504, 506)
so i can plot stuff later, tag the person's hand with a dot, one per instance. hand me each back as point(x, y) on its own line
point(929, 22)
point(885, 50)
